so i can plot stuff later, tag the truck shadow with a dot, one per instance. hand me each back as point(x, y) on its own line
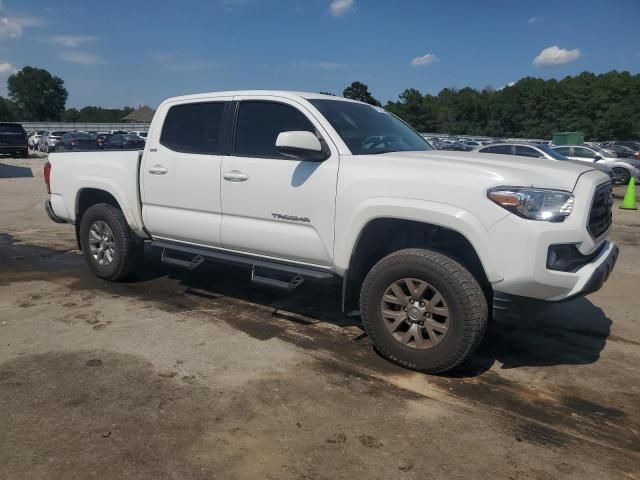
point(14, 171)
point(570, 333)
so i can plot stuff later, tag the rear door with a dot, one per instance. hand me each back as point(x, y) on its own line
point(180, 175)
point(273, 204)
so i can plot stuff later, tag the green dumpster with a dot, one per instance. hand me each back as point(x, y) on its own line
point(568, 138)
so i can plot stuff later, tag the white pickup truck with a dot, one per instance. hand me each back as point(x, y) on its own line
point(307, 186)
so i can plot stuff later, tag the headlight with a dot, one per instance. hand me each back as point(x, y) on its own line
point(534, 203)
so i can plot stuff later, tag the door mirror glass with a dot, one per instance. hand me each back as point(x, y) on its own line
point(300, 144)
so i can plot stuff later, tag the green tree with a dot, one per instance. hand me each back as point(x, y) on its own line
point(38, 95)
point(359, 91)
point(7, 110)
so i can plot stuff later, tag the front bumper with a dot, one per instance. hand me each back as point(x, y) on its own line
point(523, 247)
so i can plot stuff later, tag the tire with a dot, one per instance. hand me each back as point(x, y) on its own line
point(126, 246)
point(621, 176)
point(462, 298)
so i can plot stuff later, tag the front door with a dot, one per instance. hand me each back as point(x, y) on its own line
point(273, 204)
point(180, 176)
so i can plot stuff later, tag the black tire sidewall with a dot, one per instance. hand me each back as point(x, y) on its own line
point(445, 353)
point(627, 175)
point(107, 214)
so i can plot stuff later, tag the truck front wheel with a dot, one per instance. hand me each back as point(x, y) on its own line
point(423, 310)
point(110, 247)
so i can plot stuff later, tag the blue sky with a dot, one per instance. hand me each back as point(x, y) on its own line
point(115, 53)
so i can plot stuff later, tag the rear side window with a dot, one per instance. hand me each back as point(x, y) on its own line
point(583, 152)
point(503, 149)
point(260, 123)
point(10, 128)
point(563, 150)
point(193, 128)
point(527, 152)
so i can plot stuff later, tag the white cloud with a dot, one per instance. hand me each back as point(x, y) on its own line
point(81, 58)
point(340, 7)
point(13, 27)
point(509, 84)
point(70, 40)
point(555, 56)
point(424, 60)
point(533, 20)
point(7, 69)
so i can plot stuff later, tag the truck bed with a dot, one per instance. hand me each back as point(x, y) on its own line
point(116, 172)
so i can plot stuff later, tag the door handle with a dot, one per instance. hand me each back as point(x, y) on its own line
point(157, 170)
point(235, 176)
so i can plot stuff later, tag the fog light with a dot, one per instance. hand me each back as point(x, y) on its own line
point(559, 257)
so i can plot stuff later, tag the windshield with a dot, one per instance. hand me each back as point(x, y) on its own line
point(552, 153)
point(367, 130)
point(130, 138)
point(9, 128)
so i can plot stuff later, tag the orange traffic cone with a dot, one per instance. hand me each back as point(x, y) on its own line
point(629, 200)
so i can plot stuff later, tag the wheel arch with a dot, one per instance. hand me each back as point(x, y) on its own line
point(85, 199)
point(379, 237)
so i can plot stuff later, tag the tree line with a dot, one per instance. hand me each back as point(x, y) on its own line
point(603, 107)
point(37, 96)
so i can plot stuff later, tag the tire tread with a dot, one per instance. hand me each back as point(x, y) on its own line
point(473, 305)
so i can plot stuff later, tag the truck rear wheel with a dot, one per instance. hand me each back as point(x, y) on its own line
point(110, 247)
point(423, 310)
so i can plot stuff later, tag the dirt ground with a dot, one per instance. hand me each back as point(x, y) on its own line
point(181, 375)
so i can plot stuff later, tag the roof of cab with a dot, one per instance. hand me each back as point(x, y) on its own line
point(274, 93)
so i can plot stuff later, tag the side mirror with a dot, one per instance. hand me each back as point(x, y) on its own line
point(597, 158)
point(304, 145)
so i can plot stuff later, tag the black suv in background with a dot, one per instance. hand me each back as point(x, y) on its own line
point(13, 139)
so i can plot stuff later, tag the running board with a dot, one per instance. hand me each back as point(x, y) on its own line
point(190, 265)
point(269, 278)
point(263, 271)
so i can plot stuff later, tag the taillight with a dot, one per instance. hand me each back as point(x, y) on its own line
point(47, 175)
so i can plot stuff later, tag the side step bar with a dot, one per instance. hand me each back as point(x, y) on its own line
point(263, 272)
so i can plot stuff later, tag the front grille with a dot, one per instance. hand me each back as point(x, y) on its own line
point(600, 217)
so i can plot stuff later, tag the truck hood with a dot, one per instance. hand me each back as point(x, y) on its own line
point(493, 170)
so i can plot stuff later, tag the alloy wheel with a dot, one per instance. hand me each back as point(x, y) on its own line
point(101, 243)
point(415, 313)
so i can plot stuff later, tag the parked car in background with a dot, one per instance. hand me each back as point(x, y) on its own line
point(76, 141)
point(34, 139)
point(48, 142)
point(620, 151)
point(13, 139)
point(140, 133)
point(623, 169)
point(101, 138)
point(124, 142)
point(632, 144)
point(533, 150)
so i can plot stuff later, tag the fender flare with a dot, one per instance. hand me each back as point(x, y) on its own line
point(434, 213)
point(109, 186)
